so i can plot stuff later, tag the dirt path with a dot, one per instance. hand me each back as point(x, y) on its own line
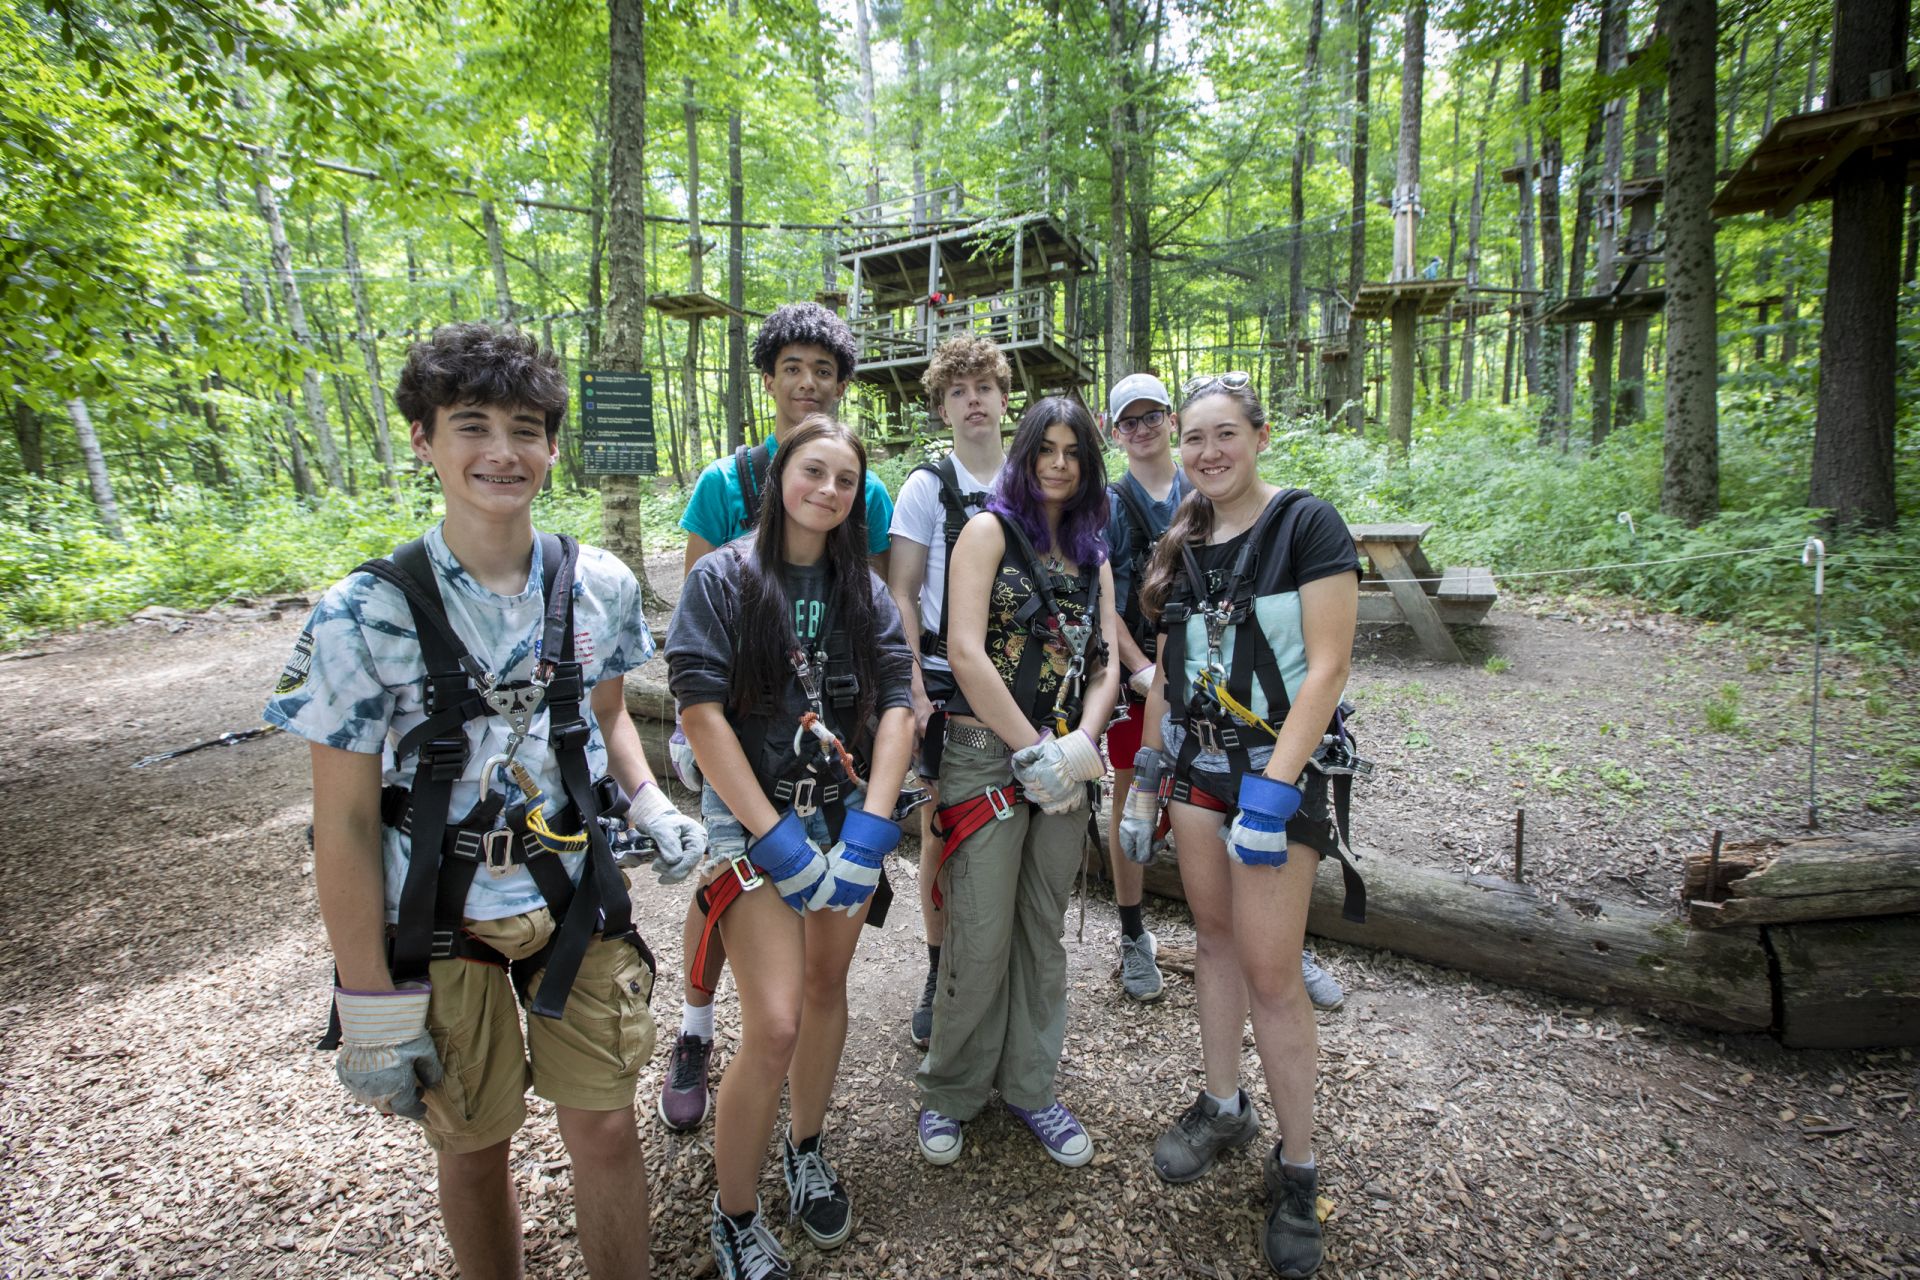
point(162, 979)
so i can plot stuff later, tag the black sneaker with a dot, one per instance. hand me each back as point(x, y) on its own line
point(747, 1252)
point(684, 1098)
point(1188, 1148)
point(922, 1026)
point(1291, 1241)
point(814, 1193)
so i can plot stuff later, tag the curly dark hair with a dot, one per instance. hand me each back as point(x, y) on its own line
point(806, 323)
point(481, 364)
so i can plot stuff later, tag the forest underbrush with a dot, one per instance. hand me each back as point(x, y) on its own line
point(1583, 519)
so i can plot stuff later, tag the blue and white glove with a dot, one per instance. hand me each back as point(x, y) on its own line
point(1258, 837)
point(854, 863)
point(680, 753)
point(1053, 772)
point(680, 843)
point(386, 1057)
point(1142, 812)
point(789, 859)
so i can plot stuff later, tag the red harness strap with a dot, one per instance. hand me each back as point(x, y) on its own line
point(714, 898)
point(954, 823)
point(1187, 793)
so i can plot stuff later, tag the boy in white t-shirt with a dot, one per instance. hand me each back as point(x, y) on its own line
point(968, 382)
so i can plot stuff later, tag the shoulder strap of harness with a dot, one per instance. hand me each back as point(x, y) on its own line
point(1140, 541)
point(750, 466)
point(957, 508)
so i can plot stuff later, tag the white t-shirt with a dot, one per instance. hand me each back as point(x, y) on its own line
point(920, 516)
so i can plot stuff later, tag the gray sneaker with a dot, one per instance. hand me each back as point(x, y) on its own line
point(1139, 975)
point(1187, 1150)
point(1291, 1240)
point(1322, 987)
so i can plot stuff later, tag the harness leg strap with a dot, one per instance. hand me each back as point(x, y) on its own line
point(703, 970)
point(955, 823)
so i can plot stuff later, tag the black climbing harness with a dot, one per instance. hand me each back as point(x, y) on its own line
point(446, 855)
point(958, 507)
point(1217, 711)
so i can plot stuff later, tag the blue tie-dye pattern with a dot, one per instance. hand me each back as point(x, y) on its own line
point(366, 682)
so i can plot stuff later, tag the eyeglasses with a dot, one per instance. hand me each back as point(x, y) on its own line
point(1151, 420)
point(1232, 380)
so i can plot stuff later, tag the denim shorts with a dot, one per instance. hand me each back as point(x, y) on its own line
point(727, 840)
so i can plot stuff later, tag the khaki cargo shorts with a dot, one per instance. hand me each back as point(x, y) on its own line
point(590, 1059)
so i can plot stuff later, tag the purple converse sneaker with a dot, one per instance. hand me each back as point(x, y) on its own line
point(1059, 1132)
point(939, 1137)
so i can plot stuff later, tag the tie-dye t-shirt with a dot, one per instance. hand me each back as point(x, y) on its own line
point(356, 681)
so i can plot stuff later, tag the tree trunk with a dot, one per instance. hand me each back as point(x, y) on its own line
point(623, 350)
point(1853, 449)
point(1606, 220)
point(1733, 97)
point(1475, 208)
point(597, 247)
point(1357, 220)
point(915, 113)
point(28, 439)
point(369, 353)
point(1690, 485)
point(1558, 411)
point(1297, 207)
point(1120, 68)
point(97, 478)
point(1632, 390)
point(736, 403)
point(296, 316)
point(497, 255)
point(1139, 207)
point(864, 44)
point(1907, 272)
point(689, 435)
point(1529, 268)
point(1406, 226)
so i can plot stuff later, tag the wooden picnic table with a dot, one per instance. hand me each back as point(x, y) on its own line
point(1401, 587)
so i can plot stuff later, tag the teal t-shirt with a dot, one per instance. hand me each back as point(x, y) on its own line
point(718, 512)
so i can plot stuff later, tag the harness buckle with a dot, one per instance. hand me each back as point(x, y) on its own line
point(808, 673)
point(749, 878)
point(1002, 806)
point(496, 851)
point(803, 796)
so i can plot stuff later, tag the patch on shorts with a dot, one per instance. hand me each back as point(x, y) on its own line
point(298, 667)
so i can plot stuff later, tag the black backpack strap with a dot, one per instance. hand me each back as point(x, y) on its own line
point(750, 467)
point(957, 508)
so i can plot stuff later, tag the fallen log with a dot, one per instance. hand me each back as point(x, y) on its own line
point(1843, 876)
point(1607, 953)
point(1848, 984)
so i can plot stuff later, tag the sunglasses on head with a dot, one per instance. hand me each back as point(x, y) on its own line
point(1232, 380)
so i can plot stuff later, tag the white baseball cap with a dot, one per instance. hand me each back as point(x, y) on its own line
point(1136, 386)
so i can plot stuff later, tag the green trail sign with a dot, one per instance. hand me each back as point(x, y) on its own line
point(616, 423)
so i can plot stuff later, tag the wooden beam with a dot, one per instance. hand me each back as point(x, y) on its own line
point(1402, 581)
point(1813, 179)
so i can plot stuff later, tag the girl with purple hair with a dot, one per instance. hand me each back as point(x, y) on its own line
point(1032, 623)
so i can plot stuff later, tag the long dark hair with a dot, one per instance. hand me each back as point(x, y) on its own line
point(762, 642)
point(1083, 525)
point(1193, 520)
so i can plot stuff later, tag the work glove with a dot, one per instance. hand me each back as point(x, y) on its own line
point(1258, 836)
point(680, 753)
point(1142, 811)
point(386, 1057)
point(853, 865)
point(792, 861)
point(680, 843)
point(1141, 681)
point(1053, 772)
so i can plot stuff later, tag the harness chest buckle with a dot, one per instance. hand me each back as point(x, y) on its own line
point(496, 851)
point(803, 796)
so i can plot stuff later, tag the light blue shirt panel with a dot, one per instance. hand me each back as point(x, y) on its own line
point(717, 506)
point(357, 682)
point(1279, 620)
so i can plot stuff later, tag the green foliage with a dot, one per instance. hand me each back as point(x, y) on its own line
point(1721, 710)
point(58, 570)
point(1496, 498)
